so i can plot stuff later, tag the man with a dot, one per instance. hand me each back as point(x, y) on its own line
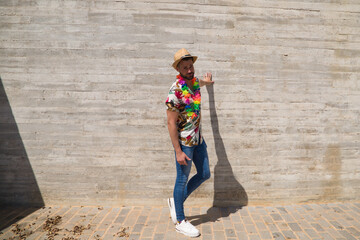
point(183, 120)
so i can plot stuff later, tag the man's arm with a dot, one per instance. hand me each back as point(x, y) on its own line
point(174, 135)
point(207, 80)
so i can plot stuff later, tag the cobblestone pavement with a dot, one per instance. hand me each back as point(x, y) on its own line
point(310, 221)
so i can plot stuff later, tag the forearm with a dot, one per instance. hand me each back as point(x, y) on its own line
point(174, 136)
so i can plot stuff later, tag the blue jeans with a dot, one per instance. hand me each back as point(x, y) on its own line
point(183, 187)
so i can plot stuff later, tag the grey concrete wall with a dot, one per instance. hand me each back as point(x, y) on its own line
point(85, 84)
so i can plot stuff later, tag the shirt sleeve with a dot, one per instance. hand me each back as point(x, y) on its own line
point(173, 101)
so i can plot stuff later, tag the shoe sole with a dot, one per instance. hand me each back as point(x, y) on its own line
point(169, 204)
point(187, 234)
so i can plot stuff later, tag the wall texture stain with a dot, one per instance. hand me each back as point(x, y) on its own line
point(332, 188)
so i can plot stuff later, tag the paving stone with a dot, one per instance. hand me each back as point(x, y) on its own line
point(147, 232)
point(276, 217)
point(132, 217)
point(124, 211)
point(240, 227)
point(133, 236)
point(324, 224)
point(138, 228)
point(278, 236)
point(219, 235)
point(272, 227)
point(334, 233)
point(304, 224)
point(297, 216)
point(288, 218)
point(109, 219)
point(206, 237)
point(282, 210)
point(120, 219)
point(113, 229)
point(251, 229)
point(326, 236)
point(295, 227)
point(256, 216)
point(336, 225)
point(99, 217)
point(312, 234)
point(243, 212)
point(308, 218)
point(357, 204)
point(218, 226)
point(271, 209)
point(228, 224)
point(235, 218)
point(142, 220)
point(267, 219)
point(289, 234)
point(347, 235)
point(161, 228)
point(230, 233)
point(261, 210)
point(206, 229)
point(353, 231)
point(265, 235)
point(343, 222)
point(325, 206)
point(247, 220)
point(282, 225)
point(242, 235)
point(302, 236)
point(261, 226)
point(98, 234)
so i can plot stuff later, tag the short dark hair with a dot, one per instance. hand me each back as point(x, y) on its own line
point(185, 59)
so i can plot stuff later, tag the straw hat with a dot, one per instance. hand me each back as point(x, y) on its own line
point(181, 54)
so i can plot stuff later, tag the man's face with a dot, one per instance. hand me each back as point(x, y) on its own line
point(186, 69)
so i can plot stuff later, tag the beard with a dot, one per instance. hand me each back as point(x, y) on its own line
point(188, 76)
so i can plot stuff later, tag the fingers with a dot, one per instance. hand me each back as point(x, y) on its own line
point(208, 76)
point(182, 160)
point(208, 79)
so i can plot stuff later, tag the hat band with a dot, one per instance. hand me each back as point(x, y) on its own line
point(185, 56)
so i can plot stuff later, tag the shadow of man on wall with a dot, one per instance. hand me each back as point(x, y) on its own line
point(229, 194)
point(19, 191)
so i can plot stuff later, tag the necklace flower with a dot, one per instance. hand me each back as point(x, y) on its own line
point(192, 101)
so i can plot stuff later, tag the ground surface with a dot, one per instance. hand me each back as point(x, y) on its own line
point(311, 221)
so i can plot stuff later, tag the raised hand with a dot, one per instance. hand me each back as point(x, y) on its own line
point(207, 80)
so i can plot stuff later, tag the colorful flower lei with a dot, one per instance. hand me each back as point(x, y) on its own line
point(192, 104)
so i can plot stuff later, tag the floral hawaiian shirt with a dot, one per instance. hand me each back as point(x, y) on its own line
point(180, 100)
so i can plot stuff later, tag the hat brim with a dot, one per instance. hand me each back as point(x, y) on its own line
point(175, 64)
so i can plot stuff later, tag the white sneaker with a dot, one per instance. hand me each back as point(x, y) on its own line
point(187, 229)
point(171, 204)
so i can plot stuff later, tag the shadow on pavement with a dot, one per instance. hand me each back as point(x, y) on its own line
point(19, 191)
point(213, 214)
